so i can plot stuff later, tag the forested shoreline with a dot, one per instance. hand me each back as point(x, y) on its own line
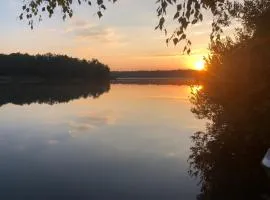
point(25, 68)
point(179, 73)
point(53, 68)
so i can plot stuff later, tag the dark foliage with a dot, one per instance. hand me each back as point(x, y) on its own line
point(50, 68)
point(156, 74)
point(186, 13)
point(235, 100)
point(50, 93)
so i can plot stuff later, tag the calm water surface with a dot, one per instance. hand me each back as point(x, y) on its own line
point(130, 143)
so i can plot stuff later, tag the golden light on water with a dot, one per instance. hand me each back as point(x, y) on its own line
point(199, 65)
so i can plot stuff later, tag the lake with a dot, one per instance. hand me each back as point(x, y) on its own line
point(130, 142)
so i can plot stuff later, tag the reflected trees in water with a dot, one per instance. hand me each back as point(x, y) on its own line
point(50, 78)
point(235, 100)
point(50, 93)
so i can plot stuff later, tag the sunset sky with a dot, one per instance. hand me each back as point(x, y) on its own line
point(124, 38)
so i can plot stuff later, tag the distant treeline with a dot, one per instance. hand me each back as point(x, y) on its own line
point(156, 74)
point(50, 67)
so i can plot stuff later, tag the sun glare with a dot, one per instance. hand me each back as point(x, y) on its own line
point(195, 89)
point(199, 65)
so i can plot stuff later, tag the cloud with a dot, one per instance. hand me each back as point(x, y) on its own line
point(96, 32)
point(87, 31)
point(80, 127)
point(77, 128)
point(53, 142)
point(80, 23)
point(167, 55)
point(97, 120)
point(90, 121)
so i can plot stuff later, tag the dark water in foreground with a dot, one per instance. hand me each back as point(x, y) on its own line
point(130, 143)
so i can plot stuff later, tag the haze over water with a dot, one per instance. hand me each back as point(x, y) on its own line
point(130, 143)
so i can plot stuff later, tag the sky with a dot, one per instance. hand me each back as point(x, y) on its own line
point(124, 38)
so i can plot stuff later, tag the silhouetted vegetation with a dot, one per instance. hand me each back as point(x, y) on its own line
point(156, 74)
point(24, 68)
point(155, 81)
point(50, 93)
point(235, 100)
point(158, 77)
point(186, 13)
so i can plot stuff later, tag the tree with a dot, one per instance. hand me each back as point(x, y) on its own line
point(187, 13)
point(52, 68)
point(235, 99)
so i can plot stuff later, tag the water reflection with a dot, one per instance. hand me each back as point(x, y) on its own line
point(227, 156)
point(21, 94)
point(130, 143)
point(50, 93)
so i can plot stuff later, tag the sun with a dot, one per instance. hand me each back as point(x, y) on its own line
point(199, 65)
